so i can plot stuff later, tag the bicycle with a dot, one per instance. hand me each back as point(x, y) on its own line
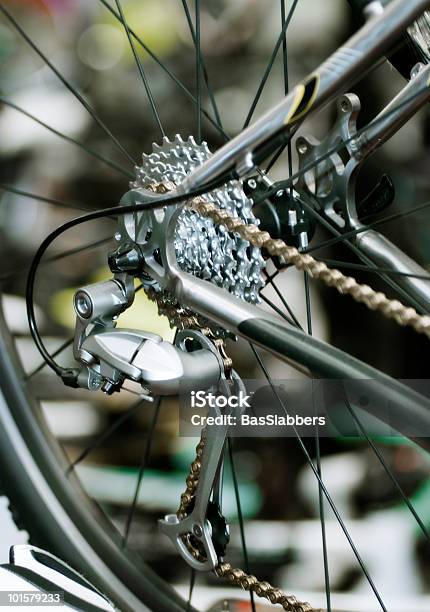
point(167, 201)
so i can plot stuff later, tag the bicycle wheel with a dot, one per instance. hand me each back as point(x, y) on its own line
point(36, 476)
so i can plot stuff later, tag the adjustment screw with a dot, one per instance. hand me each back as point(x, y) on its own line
point(109, 387)
point(125, 259)
point(252, 184)
point(417, 69)
point(345, 105)
point(197, 531)
point(83, 305)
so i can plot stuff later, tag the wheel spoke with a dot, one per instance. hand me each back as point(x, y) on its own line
point(321, 483)
point(278, 311)
point(376, 270)
point(270, 64)
point(318, 458)
point(191, 587)
point(169, 73)
point(140, 68)
point(294, 319)
point(198, 72)
point(387, 468)
point(79, 144)
point(240, 515)
point(69, 253)
point(106, 434)
point(378, 223)
point(66, 83)
point(145, 458)
point(33, 196)
point(275, 158)
point(204, 71)
point(286, 84)
point(322, 517)
point(319, 217)
point(40, 367)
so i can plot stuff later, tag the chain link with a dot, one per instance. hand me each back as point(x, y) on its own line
point(263, 589)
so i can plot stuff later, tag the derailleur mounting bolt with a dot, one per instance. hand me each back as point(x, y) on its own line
point(83, 305)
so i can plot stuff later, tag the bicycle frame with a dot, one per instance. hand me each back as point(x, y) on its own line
point(333, 77)
point(321, 87)
point(250, 322)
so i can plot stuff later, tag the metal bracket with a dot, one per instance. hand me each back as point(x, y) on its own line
point(332, 181)
point(197, 523)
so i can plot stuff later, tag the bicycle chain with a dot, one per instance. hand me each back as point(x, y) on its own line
point(185, 319)
point(346, 285)
point(236, 576)
point(375, 300)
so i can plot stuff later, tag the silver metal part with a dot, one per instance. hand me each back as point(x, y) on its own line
point(111, 355)
point(420, 32)
point(101, 300)
point(245, 164)
point(97, 307)
point(333, 181)
point(197, 523)
point(322, 86)
point(43, 566)
point(148, 359)
point(373, 9)
point(203, 249)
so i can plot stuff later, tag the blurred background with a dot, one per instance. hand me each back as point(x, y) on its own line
point(46, 180)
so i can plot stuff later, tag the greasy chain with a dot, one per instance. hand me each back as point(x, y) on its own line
point(224, 570)
point(347, 285)
point(375, 300)
point(184, 319)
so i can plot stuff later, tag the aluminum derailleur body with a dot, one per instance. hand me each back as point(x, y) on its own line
point(110, 356)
